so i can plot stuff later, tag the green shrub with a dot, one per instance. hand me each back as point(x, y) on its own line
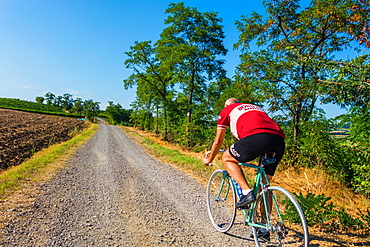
point(313, 147)
point(319, 212)
point(349, 222)
point(357, 160)
point(366, 217)
point(316, 209)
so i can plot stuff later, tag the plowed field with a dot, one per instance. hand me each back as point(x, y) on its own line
point(22, 134)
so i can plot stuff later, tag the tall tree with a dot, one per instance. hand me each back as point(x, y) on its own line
point(50, 98)
point(78, 105)
point(116, 114)
point(67, 101)
point(191, 44)
point(40, 99)
point(91, 109)
point(295, 45)
point(183, 64)
point(153, 80)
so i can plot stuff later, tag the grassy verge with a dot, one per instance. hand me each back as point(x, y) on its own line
point(43, 165)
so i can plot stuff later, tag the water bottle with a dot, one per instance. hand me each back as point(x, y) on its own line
point(239, 191)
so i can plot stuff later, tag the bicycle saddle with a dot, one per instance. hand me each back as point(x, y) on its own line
point(268, 158)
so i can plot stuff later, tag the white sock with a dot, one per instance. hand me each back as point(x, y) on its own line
point(245, 192)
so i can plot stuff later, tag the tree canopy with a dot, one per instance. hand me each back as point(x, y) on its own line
point(174, 75)
point(298, 47)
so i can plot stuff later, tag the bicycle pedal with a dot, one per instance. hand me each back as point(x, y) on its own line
point(243, 208)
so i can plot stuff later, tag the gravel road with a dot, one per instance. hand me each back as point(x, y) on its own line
point(112, 193)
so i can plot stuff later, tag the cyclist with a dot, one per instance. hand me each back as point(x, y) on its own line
point(257, 135)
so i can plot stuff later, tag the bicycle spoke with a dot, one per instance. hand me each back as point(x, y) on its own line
point(286, 227)
point(221, 201)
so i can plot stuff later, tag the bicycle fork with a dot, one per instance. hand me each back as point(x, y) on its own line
point(223, 181)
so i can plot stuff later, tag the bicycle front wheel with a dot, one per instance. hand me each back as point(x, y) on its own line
point(221, 200)
point(287, 224)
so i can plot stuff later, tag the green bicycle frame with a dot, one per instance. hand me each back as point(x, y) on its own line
point(259, 186)
point(225, 174)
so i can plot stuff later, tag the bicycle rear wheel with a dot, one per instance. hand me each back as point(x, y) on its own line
point(288, 224)
point(221, 200)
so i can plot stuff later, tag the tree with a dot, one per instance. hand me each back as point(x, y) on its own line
point(299, 65)
point(58, 101)
point(349, 84)
point(360, 22)
point(350, 87)
point(78, 105)
point(173, 76)
point(67, 101)
point(191, 44)
point(153, 80)
point(50, 97)
point(116, 114)
point(40, 99)
point(296, 45)
point(91, 109)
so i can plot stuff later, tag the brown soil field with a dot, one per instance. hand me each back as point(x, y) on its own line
point(23, 133)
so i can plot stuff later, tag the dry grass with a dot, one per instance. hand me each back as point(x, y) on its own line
point(317, 182)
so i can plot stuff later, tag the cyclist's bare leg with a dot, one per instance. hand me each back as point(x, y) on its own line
point(235, 171)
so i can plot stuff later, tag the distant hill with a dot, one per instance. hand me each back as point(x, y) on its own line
point(29, 106)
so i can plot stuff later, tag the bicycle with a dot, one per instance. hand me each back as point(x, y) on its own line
point(276, 218)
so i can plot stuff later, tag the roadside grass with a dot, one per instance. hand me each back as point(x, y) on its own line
point(44, 164)
point(174, 156)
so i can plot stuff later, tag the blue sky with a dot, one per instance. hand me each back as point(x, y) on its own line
point(78, 46)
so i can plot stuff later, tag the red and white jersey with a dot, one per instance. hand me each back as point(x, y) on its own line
point(247, 119)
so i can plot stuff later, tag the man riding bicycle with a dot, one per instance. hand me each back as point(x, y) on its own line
point(257, 135)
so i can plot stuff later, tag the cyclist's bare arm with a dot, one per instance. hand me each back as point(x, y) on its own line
point(220, 134)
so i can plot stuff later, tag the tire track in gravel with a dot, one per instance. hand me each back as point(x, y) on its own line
point(112, 193)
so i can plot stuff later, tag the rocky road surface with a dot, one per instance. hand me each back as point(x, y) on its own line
point(112, 193)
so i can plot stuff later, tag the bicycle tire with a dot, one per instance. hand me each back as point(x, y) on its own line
point(288, 229)
point(221, 200)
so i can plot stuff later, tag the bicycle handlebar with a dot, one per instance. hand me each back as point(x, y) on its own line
point(208, 152)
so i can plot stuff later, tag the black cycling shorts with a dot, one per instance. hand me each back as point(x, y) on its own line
point(251, 147)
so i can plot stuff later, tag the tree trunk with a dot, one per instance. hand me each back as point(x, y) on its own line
point(296, 119)
point(189, 113)
point(156, 119)
point(165, 122)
